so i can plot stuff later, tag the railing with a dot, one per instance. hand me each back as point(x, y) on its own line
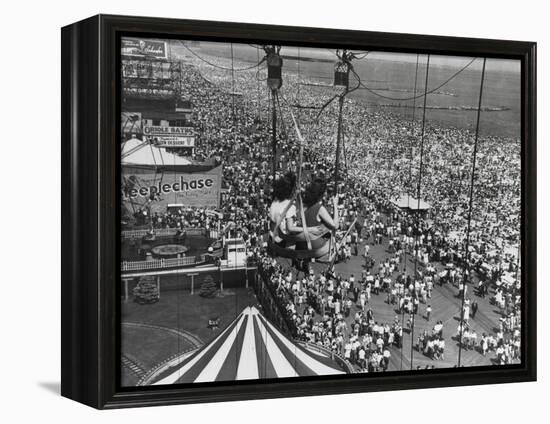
point(162, 263)
point(268, 298)
point(168, 232)
point(346, 365)
point(162, 232)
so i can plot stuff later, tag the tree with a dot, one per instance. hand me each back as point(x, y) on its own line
point(208, 287)
point(146, 291)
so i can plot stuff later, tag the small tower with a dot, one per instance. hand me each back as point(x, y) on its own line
point(341, 69)
point(274, 67)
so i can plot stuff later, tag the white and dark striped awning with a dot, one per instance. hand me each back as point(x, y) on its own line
point(250, 348)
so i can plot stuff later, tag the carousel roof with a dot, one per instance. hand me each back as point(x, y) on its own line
point(250, 348)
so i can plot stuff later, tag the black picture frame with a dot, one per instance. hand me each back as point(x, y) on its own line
point(90, 210)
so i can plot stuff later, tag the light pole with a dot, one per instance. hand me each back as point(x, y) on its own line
point(274, 82)
point(193, 275)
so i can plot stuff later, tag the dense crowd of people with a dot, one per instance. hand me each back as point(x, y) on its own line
point(380, 158)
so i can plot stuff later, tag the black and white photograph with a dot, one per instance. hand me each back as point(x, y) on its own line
point(236, 211)
point(292, 211)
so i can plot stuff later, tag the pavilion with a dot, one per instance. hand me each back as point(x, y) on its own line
point(411, 203)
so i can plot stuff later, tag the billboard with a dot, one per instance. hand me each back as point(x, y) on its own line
point(175, 141)
point(152, 69)
point(171, 136)
point(155, 131)
point(144, 48)
point(163, 188)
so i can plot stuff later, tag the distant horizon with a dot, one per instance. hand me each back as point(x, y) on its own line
point(436, 60)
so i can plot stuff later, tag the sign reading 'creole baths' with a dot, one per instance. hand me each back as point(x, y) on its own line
point(172, 136)
point(198, 190)
point(158, 130)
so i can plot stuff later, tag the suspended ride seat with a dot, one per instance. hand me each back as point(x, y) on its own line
point(274, 71)
point(324, 253)
point(341, 74)
point(316, 244)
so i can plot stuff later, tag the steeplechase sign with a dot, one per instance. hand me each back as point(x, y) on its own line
point(190, 189)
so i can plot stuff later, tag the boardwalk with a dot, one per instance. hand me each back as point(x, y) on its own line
point(445, 307)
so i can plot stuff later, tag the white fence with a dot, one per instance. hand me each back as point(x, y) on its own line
point(161, 263)
point(168, 232)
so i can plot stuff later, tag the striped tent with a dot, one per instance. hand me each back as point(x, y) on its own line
point(250, 348)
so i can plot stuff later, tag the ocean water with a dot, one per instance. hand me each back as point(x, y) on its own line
point(394, 74)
